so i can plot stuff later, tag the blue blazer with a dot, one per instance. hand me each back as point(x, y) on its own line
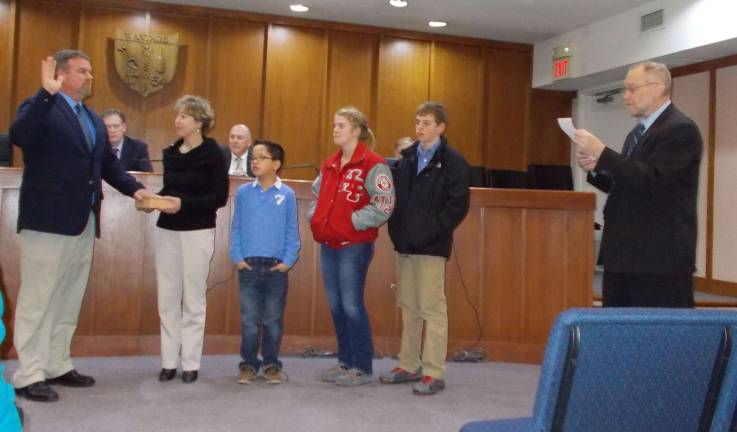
point(62, 179)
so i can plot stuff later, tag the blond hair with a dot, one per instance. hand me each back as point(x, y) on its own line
point(199, 108)
point(358, 120)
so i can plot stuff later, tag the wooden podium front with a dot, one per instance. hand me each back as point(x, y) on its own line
point(520, 258)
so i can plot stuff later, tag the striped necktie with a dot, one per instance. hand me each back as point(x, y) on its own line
point(636, 137)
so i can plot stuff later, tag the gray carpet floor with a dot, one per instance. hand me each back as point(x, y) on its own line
point(128, 397)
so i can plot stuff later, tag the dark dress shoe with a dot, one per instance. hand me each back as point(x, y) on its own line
point(167, 374)
point(189, 376)
point(72, 379)
point(39, 392)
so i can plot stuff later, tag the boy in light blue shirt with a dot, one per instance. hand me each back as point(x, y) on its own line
point(264, 246)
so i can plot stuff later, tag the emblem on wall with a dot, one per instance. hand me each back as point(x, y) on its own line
point(145, 62)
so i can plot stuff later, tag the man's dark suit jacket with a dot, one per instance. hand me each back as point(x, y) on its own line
point(650, 215)
point(134, 156)
point(229, 158)
point(61, 174)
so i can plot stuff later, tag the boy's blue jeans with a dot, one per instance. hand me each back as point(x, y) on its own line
point(344, 274)
point(263, 297)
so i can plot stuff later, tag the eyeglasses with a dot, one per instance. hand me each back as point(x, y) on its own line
point(261, 158)
point(633, 88)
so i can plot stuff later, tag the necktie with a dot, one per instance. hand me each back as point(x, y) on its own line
point(83, 124)
point(116, 150)
point(636, 137)
point(238, 170)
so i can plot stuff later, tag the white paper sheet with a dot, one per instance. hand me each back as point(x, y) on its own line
point(566, 124)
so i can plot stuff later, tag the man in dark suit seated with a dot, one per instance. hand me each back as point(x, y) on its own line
point(133, 154)
point(237, 152)
point(649, 242)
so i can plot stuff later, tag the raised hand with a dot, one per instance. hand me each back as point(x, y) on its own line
point(49, 81)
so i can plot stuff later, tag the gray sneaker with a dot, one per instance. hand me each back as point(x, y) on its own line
point(335, 371)
point(399, 375)
point(353, 377)
point(428, 386)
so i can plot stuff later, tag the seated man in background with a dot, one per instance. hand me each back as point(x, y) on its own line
point(237, 154)
point(133, 154)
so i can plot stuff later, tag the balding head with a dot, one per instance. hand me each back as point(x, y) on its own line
point(240, 139)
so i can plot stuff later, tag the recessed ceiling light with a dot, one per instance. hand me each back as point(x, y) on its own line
point(437, 24)
point(398, 3)
point(299, 8)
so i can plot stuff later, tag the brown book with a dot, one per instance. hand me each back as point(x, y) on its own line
point(152, 204)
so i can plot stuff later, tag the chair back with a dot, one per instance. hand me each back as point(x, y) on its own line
point(636, 369)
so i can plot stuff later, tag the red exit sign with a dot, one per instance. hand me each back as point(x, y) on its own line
point(561, 68)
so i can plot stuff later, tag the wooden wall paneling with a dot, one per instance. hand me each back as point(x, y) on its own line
point(403, 84)
point(350, 82)
point(7, 62)
point(9, 260)
point(294, 86)
point(545, 276)
point(98, 41)
point(547, 145)
point(464, 273)
point(304, 276)
point(116, 276)
point(579, 237)
point(221, 270)
point(190, 78)
point(508, 88)
point(236, 75)
point(379, 296)
point(456, 81)
point(504, 273)
point(35, 43)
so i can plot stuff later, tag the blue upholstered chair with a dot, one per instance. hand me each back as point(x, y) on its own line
point(634, 370)
point(9, 420)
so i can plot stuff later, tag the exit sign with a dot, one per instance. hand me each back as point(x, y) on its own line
point(563, 62)
point(561, 68)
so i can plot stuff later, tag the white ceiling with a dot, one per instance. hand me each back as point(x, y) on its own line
point(526, 21)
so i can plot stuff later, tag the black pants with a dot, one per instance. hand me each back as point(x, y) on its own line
point(647, 290)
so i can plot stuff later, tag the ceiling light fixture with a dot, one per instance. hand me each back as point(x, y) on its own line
point(299, 8)
point(398, 3)
point(437, 23)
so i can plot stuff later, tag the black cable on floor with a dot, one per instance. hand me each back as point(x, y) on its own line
point(475, 353)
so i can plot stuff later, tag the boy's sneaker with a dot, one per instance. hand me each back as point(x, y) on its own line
point(428, 386)
point(353, 377)
point(272, 374)
point(399, 375)
point(335, 371)
point(247, 375)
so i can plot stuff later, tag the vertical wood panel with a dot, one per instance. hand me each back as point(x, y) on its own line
point(456, 81)
point(236, 75)
point(295, 75)
point(190, 78)
point(545, 276)
point(350, 81)
point(403, 84)
point(508, 87)
point(547, 144)
point(7, 48)
point(464, 273)
point(504, 278)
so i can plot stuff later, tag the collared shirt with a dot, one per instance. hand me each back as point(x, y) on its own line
point(265, 223)
point(425, 156)
point(234, 162)
point(647, 121)
point(84, 116)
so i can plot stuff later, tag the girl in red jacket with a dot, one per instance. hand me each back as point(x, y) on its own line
point(354, 196)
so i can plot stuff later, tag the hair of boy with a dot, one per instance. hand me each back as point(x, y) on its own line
point(435, 109)
point(275, 151)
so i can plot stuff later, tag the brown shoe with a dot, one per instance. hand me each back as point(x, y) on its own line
point(272, 374)
point(247, 375)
